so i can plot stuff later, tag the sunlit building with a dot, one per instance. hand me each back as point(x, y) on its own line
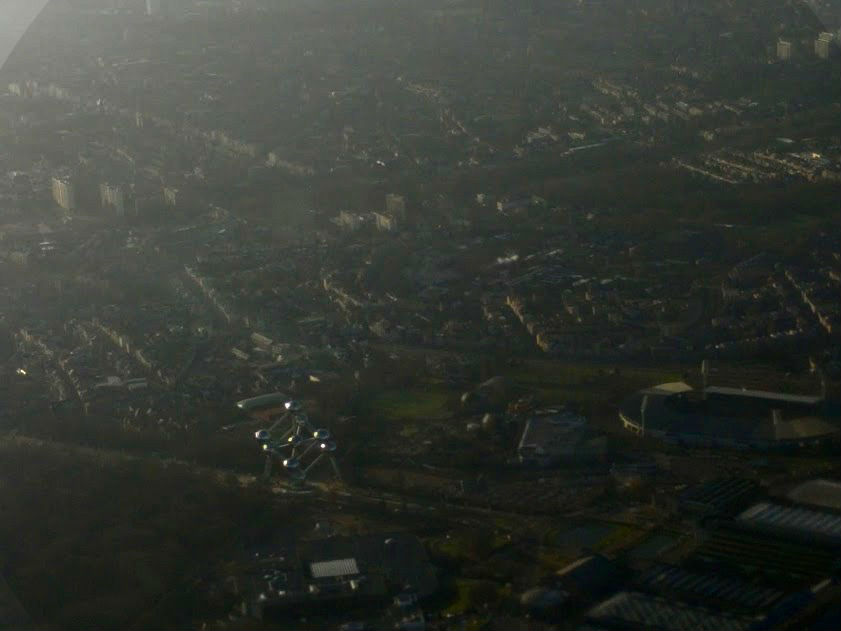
point(783, 50)
point(171, 196)
point(111, 196)
point(395, 205)
point(349, 221)
point(823, 45)
point(64, 193)
point(385, 223)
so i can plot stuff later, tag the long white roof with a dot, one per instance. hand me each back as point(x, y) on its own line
point(334, 568)
point(791, 518)
point(763, 394)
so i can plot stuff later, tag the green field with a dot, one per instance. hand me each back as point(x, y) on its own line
point(414, 404)
point(472, 594)
point(560, 382)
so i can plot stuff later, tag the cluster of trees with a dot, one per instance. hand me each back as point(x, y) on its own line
point(94, 540)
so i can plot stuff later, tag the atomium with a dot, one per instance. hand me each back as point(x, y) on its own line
point(298, 445)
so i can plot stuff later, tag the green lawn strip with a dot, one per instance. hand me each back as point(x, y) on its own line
point(473, 593)
point(547, 374)
point(620, 538)
point(411, 404)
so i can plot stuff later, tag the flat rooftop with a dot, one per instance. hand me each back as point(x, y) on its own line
point(764, 395)
point(337, 567)
point(804, 520)
point(633, 609)
point(824, 493)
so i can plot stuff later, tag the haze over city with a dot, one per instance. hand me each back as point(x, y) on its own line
point(448, 315)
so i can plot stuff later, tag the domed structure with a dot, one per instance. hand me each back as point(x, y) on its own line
point(729, 417)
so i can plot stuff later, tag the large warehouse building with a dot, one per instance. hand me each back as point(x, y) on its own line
point(729, 417)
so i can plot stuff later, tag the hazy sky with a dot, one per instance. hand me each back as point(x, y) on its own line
point(15, 18)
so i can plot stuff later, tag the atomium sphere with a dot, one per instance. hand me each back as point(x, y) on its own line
point(292, 406)
point(292, 463)
point(328, 446)
point(321, 434)
point(262, 434)
point(294, 439)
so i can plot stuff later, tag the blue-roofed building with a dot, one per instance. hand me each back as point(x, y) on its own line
point(712, 589)
point(719, 496)
point(634, 610)
point(805, 522)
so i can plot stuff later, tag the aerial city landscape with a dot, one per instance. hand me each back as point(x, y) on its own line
point(432, 314)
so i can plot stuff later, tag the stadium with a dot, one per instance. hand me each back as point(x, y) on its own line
point(729, 417)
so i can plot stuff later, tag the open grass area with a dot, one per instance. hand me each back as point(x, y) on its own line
point(602, 537)
point(472, 593)
point(586, 383)
point(564, 373)
point(469, 546)
point(620, 538)
point(415, 404)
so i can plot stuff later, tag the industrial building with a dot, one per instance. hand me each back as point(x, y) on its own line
point(351, 570)
point(708, 588)
point(552, 436)
point(720, 496)
point(634, 610)
point(820, 493)
point(780, 555)
point(805, 523)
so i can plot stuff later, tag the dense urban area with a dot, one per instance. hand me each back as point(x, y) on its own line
point(448, 315)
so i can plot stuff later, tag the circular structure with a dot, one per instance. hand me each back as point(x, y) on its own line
point(292, 463)
point(321, 434)
point(729, 417)
point(262, 435)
